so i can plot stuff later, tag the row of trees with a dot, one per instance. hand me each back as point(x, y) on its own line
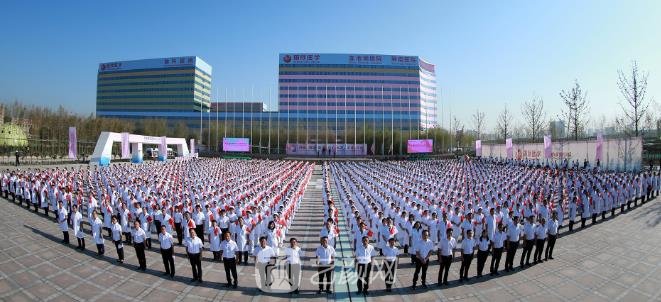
point(635, 117)
point(49, 132)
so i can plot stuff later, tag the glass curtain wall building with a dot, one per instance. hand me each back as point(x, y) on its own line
point(176, 84)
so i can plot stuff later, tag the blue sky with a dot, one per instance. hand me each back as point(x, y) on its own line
point(487, 54)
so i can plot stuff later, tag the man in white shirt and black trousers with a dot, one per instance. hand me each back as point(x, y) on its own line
point(445, 253)
point(498, 243)
point(468, 245)
point(166, 241)
point(265, 257)
point(326, 259)
point(138, 239)
point(229, 250)
point(513, 238)
point(293, 260)
point(552, 231)
point(364, 253)
point(423, 249)
point(390, 253)
point(194, 250)
point(528, 241)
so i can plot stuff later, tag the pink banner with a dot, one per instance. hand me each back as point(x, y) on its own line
point(126, 147)
point(73, 143)
point(508, 147)
point(419, 146)
point(478, 148)
point(192, 146)
point(600, 147)
point(163, 148)
point(548, 147)
point(236, 144)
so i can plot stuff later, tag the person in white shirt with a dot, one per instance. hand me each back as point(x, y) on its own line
point(62, 221)
point(116, 231)
point(224, 221)
point(513, 238)
point(97, 229)
point(497, 243)
point(139, 238)
point(468, 244)
point(229, 251)
point(242, 237)
point(194, 247)
point(423, 248)
point(145, 221)
point(215, 235)
point(364, 253)
point(265, 256)
point(572, 213)
point(293, 260)
point(328, 231)
point(445, 253)
point(528, 241)
point(76, 220)
point(167, 250)
point(326, 259)
point(390, 253)
point(198, 218)
point(540, 238)
point(483, 247)
point(552, 232)
point(178, 219)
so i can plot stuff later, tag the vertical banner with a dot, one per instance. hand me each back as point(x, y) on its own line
point(478, 148)
point(163, 150)
point(73, 143)
point(508, 147)
point(548, 147)
point(126, 147)
point(599, 148)
point(192, 146)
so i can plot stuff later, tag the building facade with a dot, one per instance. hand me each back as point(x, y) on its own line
point(177, 84)
point(380, 89)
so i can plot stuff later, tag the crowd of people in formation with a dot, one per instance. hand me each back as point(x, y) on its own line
point(232, 208)
point(394, 211)
point(473, 209)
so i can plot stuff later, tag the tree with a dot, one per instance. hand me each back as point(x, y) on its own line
point(634, 92)
point(504, 124)
point(478, 121)
point(576, 109)
point(534, 116)
point(459, 130)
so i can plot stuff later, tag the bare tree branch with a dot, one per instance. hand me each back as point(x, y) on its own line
point(576, 109)
point(535, 117)
point(478, 121)
point(504, 123)
point(634, 104)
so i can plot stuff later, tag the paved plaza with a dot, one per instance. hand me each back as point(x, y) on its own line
point(615, 260)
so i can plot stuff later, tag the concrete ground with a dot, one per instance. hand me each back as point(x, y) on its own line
point(614, 260)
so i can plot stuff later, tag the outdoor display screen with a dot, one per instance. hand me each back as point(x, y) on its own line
point(236, 144)
point(419, 146)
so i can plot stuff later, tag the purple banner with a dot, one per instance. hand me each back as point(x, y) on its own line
point(508, 147)
point(419, 146)
point(192, 146)
point(600, 147)
point(327, 149)
point(73, 143)
point(478, 148)
point(548, 147)
point(126, 147)
point(163, 148)
point(236, 144)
